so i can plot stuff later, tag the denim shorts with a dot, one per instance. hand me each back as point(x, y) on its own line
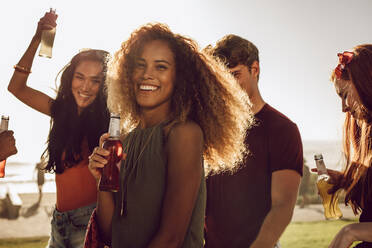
point(69, 227)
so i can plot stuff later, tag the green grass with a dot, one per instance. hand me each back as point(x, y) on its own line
point(317, 234)
point(38, 242)
point(311, 234)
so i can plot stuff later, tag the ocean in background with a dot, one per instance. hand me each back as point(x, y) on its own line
point(22, 177)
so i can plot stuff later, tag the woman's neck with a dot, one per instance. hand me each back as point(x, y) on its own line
point(150, 118)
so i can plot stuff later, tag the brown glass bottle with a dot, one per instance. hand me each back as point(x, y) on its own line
point(110, 173)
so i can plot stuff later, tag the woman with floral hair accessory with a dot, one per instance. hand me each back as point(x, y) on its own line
point(178, 106)
point(353, 82)
point(79, 115)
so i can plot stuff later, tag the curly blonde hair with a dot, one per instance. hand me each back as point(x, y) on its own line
point(204, 92)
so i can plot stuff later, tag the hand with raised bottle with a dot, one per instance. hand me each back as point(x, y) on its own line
point(47, 22)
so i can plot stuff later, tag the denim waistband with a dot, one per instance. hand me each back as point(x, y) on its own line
point(74, 212)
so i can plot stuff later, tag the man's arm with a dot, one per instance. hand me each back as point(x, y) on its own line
point(284, 189)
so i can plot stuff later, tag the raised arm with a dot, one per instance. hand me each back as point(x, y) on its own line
point(184, 151)
point(17, 85)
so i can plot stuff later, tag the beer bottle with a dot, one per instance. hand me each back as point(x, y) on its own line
point(47, 37)
point(110, 173)
point(330, 204)
point(3, 127)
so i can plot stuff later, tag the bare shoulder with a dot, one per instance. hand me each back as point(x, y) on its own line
point(184, 147)
point(187, 131)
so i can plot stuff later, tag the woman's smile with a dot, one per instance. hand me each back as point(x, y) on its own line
point(154, 75)
point(148, 87)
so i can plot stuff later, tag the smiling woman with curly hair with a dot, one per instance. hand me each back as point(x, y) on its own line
point(204, 93)
point(178, 106)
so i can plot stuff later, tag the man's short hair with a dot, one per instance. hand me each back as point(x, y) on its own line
point(234, 50)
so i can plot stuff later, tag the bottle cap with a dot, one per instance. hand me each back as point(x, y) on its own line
point(318, 156)
point(114, 115)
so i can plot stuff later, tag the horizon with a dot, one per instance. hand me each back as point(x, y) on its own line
point(331, 150)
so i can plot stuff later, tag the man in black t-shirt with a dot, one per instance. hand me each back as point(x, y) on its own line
point(252, 207)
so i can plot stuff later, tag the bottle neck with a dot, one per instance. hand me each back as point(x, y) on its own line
point(322, 170)
point(114, 128)
point(4, 125)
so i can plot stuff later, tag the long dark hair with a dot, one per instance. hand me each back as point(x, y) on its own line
point(68, 129)
point(358, 132)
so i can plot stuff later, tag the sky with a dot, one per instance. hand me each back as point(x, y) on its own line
point(298, 43)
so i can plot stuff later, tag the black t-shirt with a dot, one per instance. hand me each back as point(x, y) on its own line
point(366, 215)
point(237, 204)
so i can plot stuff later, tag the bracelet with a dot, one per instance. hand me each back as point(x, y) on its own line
point(22, 69)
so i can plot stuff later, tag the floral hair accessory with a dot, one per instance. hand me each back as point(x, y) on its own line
point(344, 59)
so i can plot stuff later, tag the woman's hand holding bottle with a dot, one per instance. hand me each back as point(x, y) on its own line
point(334, 175)
point(97, 159)
point(47, 22)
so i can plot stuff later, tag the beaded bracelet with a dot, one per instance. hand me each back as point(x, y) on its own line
point(22, 69)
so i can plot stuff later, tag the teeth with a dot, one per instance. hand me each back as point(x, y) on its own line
point(147, 87)
point(83, 95)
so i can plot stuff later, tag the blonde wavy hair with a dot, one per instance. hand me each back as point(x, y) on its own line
point(204, 92)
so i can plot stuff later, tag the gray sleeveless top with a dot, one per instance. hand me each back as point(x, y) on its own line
point(138, 203)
